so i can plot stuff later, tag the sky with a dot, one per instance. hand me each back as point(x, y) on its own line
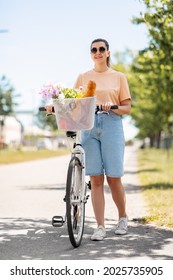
point(49, 40)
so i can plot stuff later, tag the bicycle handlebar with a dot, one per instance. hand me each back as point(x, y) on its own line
point(112, 107)
point(44, 109)
point(98, 108)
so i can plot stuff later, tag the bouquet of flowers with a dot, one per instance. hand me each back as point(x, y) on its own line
point(58, 91)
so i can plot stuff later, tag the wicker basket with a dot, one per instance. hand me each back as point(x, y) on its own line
point(75, 113)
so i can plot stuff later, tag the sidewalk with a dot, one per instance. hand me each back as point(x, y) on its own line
point(142, 241)
point(136, 206)
point(29, 202)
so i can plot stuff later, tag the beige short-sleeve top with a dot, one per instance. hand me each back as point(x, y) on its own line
point(111, 85)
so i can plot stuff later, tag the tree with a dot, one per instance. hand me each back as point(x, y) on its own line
point(6, 103)
point(6, 97)
point(152, 67)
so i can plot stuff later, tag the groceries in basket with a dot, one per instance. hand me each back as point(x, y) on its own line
point(75, 114)
point(59, 91)
point(74, 108)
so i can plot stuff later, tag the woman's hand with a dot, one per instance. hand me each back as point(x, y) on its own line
point(106, 106)
point(49, 108)
point(123, 108)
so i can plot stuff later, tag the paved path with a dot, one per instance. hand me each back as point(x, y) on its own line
point(32, 192)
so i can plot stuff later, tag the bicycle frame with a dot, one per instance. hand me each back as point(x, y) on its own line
point(76, 193)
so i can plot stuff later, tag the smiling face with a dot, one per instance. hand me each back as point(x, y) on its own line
point(99, 53)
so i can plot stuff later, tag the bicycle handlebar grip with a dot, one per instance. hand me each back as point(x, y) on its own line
point(114, 107)
point(42, 109)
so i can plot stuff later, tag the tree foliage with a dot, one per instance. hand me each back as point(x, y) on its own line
point(152, 79)
point(7, 95)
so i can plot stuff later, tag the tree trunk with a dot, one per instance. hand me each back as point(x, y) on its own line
point(158, 140)
point(152, 141)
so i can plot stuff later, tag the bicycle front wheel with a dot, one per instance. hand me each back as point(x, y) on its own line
point(75, 204)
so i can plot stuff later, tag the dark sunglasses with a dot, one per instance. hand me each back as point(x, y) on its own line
point(101, 50)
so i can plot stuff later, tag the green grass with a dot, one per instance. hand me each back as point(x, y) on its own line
point(155, 168)
point(12, 156)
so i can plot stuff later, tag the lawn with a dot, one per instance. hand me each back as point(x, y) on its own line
point(156, 177)
point(12, 156)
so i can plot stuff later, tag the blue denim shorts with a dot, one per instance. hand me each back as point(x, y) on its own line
point(104, 146)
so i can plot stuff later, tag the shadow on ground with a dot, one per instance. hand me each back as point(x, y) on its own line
point(29, 239)
point(141, 170)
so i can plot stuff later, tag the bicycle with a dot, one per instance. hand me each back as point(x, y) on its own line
point(76, 187)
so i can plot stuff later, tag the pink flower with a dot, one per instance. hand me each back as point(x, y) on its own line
point(49, 91)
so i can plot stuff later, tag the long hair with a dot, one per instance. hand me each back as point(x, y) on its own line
point(107, 46)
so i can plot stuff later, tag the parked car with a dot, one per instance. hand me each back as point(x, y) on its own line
point(62, 143)
point(44, 144)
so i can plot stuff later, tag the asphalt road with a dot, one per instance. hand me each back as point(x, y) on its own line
point(32, 192)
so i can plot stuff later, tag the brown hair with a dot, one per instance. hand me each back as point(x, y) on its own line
point(107, 46)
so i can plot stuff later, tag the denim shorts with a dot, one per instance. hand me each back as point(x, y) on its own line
point(104, 146)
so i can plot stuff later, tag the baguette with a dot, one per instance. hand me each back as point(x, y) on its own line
point(90, 89)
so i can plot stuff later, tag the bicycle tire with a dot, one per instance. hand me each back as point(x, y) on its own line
point(75, 205)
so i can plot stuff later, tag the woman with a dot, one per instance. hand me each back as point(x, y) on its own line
point(104, 144)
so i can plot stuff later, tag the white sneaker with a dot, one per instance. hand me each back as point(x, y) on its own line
point(122, 226)
point(99, 234)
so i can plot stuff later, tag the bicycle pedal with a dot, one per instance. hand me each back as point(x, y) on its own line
point(57, 221)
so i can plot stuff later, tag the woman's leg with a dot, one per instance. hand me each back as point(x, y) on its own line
point(118, 195)
point(97, 196)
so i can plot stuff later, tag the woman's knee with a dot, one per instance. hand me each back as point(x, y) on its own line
point(97, 180)
point(113, 180)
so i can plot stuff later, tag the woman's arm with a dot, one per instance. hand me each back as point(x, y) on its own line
point(124, 108)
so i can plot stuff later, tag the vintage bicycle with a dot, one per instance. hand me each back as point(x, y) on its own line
point(73, 116)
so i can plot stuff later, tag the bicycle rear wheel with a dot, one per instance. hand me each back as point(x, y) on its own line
point(75, 204)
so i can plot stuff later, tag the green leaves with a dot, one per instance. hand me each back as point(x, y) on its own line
point(70, 93)
point(6, 97)
point(152, 83)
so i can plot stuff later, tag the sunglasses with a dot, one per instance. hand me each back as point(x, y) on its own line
point(101, 50)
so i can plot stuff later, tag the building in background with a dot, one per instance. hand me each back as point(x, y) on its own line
point(11, 132)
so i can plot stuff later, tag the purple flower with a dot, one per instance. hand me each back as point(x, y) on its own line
point(49, 91)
